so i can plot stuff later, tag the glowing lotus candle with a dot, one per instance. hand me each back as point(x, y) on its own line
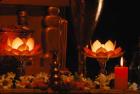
point(121, 76)
point(21, 45)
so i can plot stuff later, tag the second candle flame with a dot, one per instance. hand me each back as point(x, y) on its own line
point(121, 61)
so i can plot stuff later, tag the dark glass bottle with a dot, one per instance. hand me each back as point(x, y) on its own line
point(22, 24)
point(13, 59)
point(24, 32)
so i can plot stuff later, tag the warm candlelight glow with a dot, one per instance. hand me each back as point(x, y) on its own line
point(30, 43)
point(12, 44)
point(121, 61)
point(108, 46)
point(16, 43)
point(21, 44)
point(106, 50)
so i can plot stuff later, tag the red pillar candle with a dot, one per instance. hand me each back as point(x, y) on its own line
point(121, 76)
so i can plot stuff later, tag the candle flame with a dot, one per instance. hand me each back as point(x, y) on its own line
point(121, 61)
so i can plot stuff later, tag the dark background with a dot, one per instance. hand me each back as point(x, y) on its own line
point(118, 22)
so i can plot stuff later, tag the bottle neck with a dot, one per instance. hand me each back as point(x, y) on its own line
point(22, 18)
point(22, 24)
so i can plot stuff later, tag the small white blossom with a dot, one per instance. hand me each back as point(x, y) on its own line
point(103, 80)
point(133, 86)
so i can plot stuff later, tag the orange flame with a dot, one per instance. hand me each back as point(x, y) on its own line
point(121, 62)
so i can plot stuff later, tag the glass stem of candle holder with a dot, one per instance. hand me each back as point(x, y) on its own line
point(102, 63)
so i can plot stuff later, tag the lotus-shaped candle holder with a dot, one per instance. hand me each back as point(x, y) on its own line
point(21, 48)
point(14, 45)
point(103, 52)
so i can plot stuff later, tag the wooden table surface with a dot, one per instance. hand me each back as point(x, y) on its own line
point(37, 91)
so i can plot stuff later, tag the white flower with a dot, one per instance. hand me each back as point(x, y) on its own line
point(103, 80)
point(6, 80)
point(11, 75)
point(7, 83)
point(43, 76)
point(133, 86)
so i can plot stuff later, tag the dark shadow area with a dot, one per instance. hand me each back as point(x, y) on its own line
point(118, 22)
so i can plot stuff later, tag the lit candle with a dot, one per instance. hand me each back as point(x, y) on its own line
point(121, 76)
